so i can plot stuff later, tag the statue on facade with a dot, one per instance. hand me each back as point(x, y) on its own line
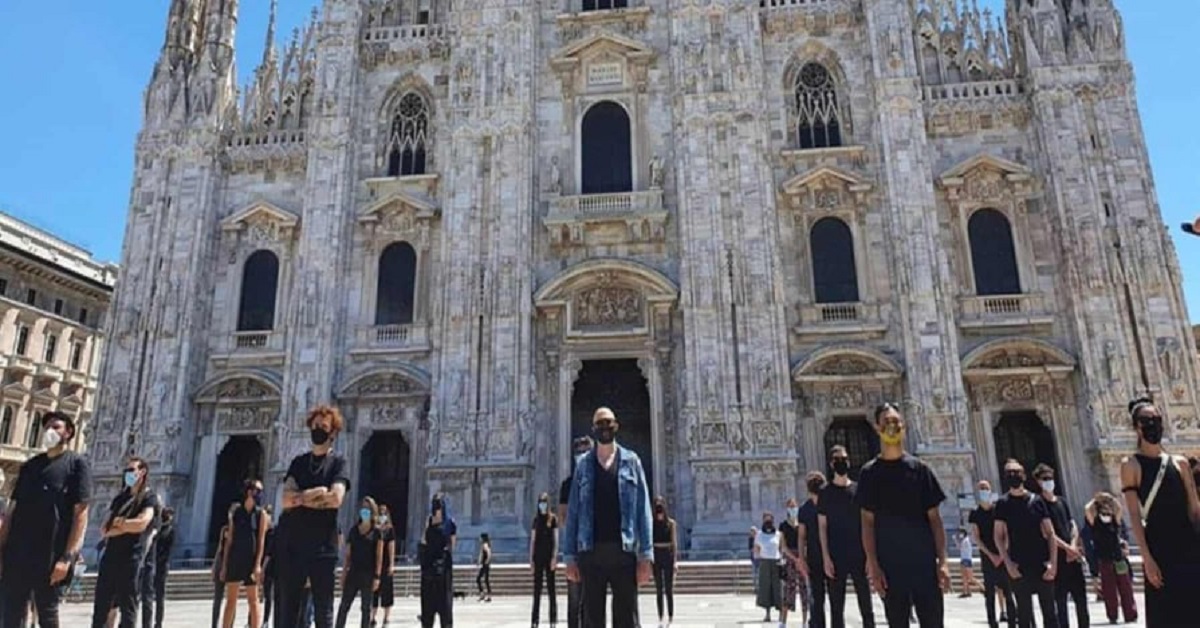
point(555, 184)
point(656, 172)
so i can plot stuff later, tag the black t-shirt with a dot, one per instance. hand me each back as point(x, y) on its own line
point(807, 516)
point(606, 504)
point(129, 547)
point(985, 519)
point(151, 556)
point(564, 492)
point(843, 526)
point(544, 527)
point(1060, 517)
point(900, 493)
point(791, 536)
point(363, 550)
point(46, 493)
point(1106, 537)
point(1023, 516)
point(313, 531)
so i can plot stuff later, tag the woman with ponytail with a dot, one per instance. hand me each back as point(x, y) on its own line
point(364, 564)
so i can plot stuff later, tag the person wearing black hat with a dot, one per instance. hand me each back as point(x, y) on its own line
point(44, 527)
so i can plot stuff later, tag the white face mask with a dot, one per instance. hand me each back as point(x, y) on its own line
point(985, 497)
point(1106, 518)
point(1048, 486)
point(51, 439)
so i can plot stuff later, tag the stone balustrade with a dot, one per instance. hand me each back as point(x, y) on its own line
point(1004, 88)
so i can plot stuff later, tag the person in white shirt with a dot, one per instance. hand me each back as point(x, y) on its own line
point(768, 593)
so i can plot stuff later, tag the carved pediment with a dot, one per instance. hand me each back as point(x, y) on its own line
point(262, 220)
point(828, 188)
point(846, 363)
point(605, 59)
point(987, 177)
point(404, 380)
point(239, 388)
point(398, 212)
point(1018, 356)
point(16, 389)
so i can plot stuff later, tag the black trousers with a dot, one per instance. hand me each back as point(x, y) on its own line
point(161, 571)
point(856, 571)
point(318, 571)
point(997, 578)
point(1071, 583)
point(268, 594)
point(910, 589)
point(148, 592)
point(574, 604)
point(484, 577)
point(116, 587)
point(664, 581)
point(1024, 588)
point(358, 585)
point(609, 566)
point(1174, 605)
point(543, 573)
point(816, 592)
point(437, 594)
point(218, 598)
point(18, 587)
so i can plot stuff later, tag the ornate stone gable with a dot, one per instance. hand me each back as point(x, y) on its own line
point(605, 62)
point(386, 384)
point(826, 188)
point(262, 224)
point(987, 179)
point(403, 215)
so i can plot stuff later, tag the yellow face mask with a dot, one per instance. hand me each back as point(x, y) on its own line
point(892, 435)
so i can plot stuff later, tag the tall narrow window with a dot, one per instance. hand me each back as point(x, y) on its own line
point(33, 433)
point(818, 119)
point(58, 306)
point(396, 286)
point(83, 315)
point(993, 255)
point(22, 340)
point(3, 287)
point(31, 296)
point(600, 5)
point(6, 425)
point(606, 151)
point(51, 348)
point(931, 64)
point(408, 137)
point(835, 276)
point(76, 355)
point(260, 282)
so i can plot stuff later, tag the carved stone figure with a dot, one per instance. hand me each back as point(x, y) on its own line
point(709, 384)
point(608, 307)
point(1169, 359)
point(1112, 364)
point(555, 177)
point(656, 172)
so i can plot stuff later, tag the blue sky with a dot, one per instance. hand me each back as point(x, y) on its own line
point(71, 98)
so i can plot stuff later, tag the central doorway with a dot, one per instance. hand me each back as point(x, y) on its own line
point(383, 475)
point(1024, 437)
point(619, 385)
point(858, 437)
point(241, 459)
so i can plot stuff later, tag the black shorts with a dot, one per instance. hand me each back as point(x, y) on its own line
point(240, 572)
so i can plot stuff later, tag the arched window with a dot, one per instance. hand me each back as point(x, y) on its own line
point(835, 277)
point(993, 255)
point(931, 65)
point(600, 5)
point(819, 123)
point(6, 424)
point(260, 282)
point(607, 159)
point(396, 286)
point(408, 137)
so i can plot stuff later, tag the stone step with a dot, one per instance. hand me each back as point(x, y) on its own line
point(516, 580)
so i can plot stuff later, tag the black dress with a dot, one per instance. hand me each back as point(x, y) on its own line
point(1173, 543)
point(243, 546)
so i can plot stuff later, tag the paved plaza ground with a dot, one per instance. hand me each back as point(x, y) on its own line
point(692, 611)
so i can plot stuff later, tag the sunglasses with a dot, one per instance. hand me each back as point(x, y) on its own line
point(131, 470)
point(840, 459)
point(604, 423)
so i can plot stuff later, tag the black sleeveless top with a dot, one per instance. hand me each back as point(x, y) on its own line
point(662, 531)
point(434, 557)
point(1169, 531)
point(245, 532)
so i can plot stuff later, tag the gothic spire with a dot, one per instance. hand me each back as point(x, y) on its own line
point(270, 56)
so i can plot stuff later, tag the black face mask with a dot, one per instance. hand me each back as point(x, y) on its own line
point(1013, 480)
point(437, 505)
point(658, 509)
point(604, 435)
point(1152, 430)
point(318, 436)
point(841, 467)
point(768, 526)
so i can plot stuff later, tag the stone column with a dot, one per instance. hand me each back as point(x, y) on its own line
point(202, 495)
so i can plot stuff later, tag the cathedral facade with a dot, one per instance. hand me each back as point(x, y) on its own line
point(739, 223)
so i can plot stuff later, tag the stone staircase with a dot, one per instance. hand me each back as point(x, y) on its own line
point(695, 578)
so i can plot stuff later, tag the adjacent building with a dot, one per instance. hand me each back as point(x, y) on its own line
point(54, 298)
point(740, 223)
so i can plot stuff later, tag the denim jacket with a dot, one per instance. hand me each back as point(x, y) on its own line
point(635, 507)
